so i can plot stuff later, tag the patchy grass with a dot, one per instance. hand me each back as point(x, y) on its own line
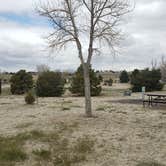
point(32, 135)
point(35, 134)
point(60, 152)
point(24, 125)
point(106, 108)
point(100, 108)
point(67, 155)
point(6, 91)
point(54, 107)
point(150, 164)
point(42, 154)
point(63, 127)
point(115, 90)
point(11, 149)
point(75, 106)
point(32, 116)
point(64, 158)
point(109, 91)
point(3, 163)
point(67, 102)
point(84, 144)
point(65, 108)
point(66, 105)
point(59, 135)
point(74, 125)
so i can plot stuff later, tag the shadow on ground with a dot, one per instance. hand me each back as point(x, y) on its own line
point(139, 102)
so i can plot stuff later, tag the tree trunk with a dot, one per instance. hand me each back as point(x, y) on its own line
point(0, 86)
point(88, 106)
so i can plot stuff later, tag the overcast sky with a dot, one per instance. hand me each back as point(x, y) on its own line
point(22, 45)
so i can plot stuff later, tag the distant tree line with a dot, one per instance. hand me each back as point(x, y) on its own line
point(151, 79)
point(52, 84)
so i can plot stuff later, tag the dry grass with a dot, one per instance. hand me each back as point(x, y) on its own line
point(150, 164)
point(123, 134)
point(60, 151)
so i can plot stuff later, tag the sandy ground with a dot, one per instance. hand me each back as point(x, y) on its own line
point(125, 133)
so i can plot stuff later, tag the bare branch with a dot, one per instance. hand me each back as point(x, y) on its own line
point(75, 20)
point(69, 23)
point(85, 3)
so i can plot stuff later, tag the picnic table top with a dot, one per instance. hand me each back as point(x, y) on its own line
point(155, 95)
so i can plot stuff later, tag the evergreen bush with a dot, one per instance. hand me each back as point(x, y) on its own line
point(77, 83)
point(50, 84)
point(124, 77)
point(21, 82)
point(30, 98)
point(147, 78)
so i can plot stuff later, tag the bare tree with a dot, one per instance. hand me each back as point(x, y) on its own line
point(42, 68)
point(154, 63)
point(97, 21)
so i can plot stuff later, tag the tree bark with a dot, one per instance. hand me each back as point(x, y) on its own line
point(88, 104)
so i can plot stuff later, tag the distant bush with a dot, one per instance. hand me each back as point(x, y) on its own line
point(30, 98)
point(21, 82)
point(77, 83)
point(50, 84)
point(124, 77)
point(148, 78)
point(100, 77)
point(108, 82)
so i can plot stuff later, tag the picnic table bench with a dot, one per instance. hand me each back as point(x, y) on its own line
point(155, 99)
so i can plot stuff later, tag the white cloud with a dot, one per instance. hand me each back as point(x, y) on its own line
point(16, 6)
point(22, 45)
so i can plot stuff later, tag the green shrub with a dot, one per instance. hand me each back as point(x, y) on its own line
point(108, 82)
point(50, 84)
point(100, 77)
point(21, 82)
point(148, 78)
point(124, 77)
point(29, 98)
point(77, 83)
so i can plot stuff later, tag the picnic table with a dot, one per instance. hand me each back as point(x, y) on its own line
point(154, 99)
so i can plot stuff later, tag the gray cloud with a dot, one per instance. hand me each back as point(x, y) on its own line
point(22, 46)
